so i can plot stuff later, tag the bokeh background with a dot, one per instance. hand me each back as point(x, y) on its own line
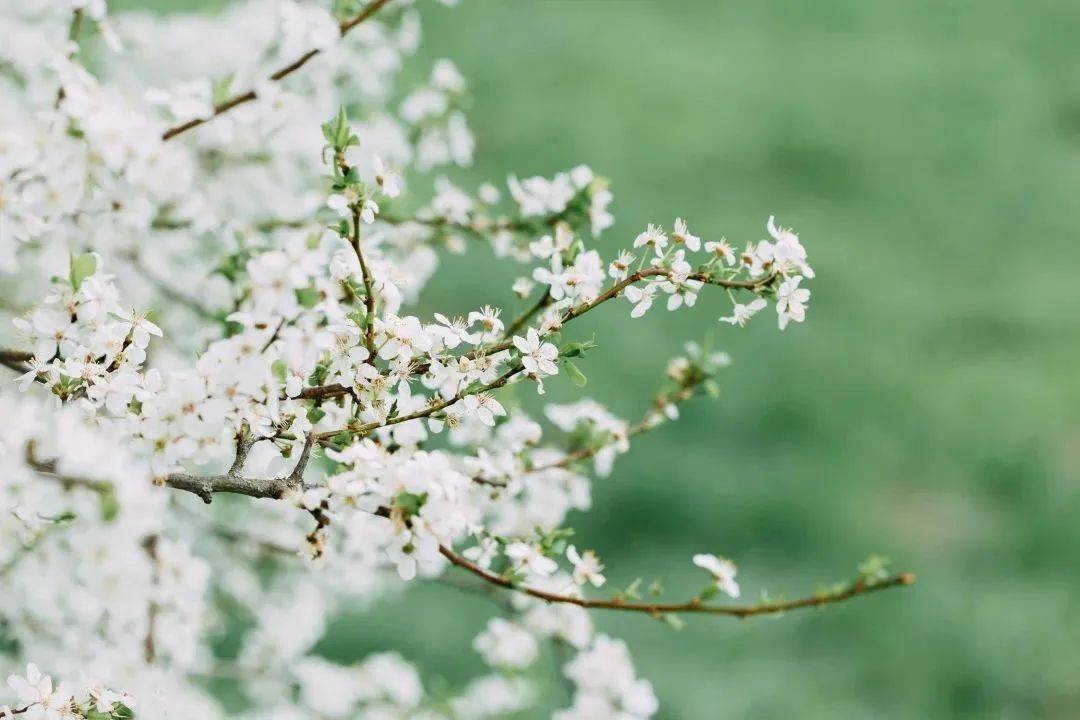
point(928, 153)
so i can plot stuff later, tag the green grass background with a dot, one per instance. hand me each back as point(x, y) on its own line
point(928, 153)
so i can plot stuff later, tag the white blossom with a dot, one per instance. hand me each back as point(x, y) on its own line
point(722, 570)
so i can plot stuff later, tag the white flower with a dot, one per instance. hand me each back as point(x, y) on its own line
point(368, 210)
point(342, 202)
point(186, 101)
point(386, 178)
point(599, 217)
point(36, 691)
point(489, 194)
point(454, 332)
point(488, 317)
point(722, 250)
point(587, 567)
point(620, 266)
point(537, 356)
point(446, 76)
point(682, 235)
point(38, 369)
point(484, 407)
point(530, 558)
point(722, 570)
point(791, 301)
point(411, 551)
point(141, 329)
point(505, 644)
point(681, 287)
point(483, 552)
point(788, 253)
point(641, 297)
point(523, 287)
point(653, 237)
point(740, 313)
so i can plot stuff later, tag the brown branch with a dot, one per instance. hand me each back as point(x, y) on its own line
point(524, 317)
point(323, 392)
point(206, 486)
point(695, 605)
point(15, 359)
point(273, 336)
point(431, 409)
point(250, 95)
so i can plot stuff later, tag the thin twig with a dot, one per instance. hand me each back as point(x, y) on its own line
point(695, 605)
point(73, 37)
point(369, 289)
point(16, 359)
point(250, 95)
point(524, 317)
point(431, 409)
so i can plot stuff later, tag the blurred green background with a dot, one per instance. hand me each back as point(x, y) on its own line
point(928, 154)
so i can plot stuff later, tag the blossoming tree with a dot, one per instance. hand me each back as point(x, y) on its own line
point(254, 195)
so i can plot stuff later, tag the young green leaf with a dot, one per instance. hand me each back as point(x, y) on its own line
point(82, 267)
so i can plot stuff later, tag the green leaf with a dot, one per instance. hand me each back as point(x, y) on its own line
point(222, 89)
point(632, 591)
point(279, 370)
point(574, 373)
point(110, 506)
point(577, 349)
point(308, 297)
point(336, 131)
point(82, 267)
point(410, 502)
point(318, 375)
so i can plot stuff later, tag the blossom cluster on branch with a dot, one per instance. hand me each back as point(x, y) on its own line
point(212, 295)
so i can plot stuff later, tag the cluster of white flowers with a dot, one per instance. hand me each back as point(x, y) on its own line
point(284, 270)
point(83, 341)
point(607, 686)
point(39, 699)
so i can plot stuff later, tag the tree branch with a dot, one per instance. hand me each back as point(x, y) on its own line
point(206, 486)
point(524, 317)
point(292, 67)
point(431, 409)
point(695, 605)
point(15, 359)
point(369, 289)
